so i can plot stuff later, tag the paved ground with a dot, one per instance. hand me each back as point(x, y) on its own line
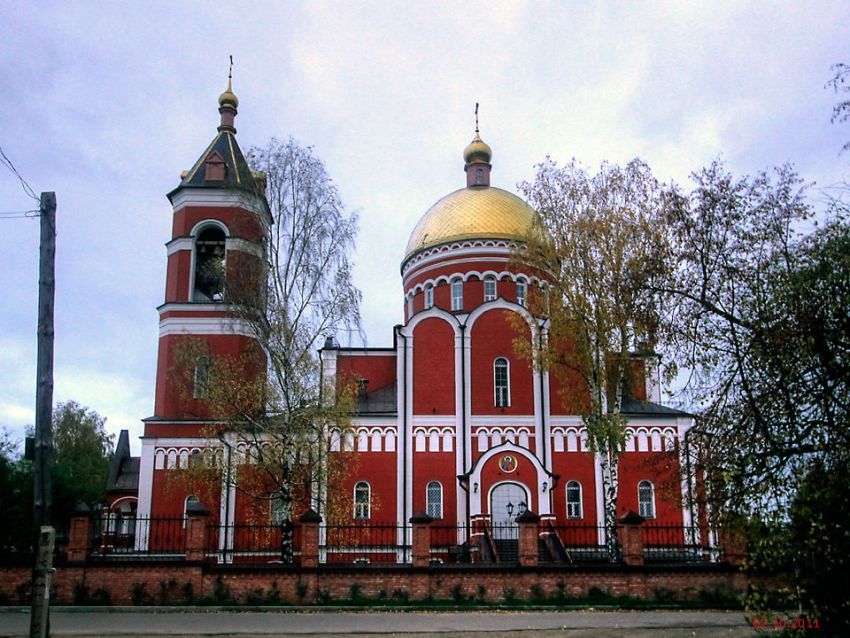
point(574, 624)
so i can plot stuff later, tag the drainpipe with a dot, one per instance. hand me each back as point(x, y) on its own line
point(405, 516)
point(463, 406)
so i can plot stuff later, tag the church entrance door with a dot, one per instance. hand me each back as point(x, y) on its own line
point(507, 501)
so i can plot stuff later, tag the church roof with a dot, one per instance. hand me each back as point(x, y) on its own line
point(636, 407)
point(124, 468)
point(474, 212)
point(222, 165)
point(237, 174)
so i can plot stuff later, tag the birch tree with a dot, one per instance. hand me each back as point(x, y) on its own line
point(600, 246)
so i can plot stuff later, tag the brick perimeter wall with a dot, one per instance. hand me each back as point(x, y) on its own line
point(166, 582)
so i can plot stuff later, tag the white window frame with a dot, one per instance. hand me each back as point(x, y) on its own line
point(196, 236)
point(490, 282)
point(276, 513)
point(363, 511)
point(432, 508)
point(429, 296)
point(579, 504)
point(521, 292)
point(201, 384)
point(457, 294)
point(646, 508)
point(410, 307)
point(186, 501)
point(506, 403)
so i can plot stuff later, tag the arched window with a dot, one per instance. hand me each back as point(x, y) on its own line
point(574, 499)
point(202, 378)
point(646, 499)
point(457, 294)
point(209, 265)
point(278, 510)
point(429, 296)
point(362, 500)
point(410, 306)
point(490, 289)
point(434, 500)
point(501, 383)
point(520, 292)
point(189, 499)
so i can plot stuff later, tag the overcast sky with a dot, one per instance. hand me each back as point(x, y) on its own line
point(105, 104)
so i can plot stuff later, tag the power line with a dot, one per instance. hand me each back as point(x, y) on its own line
point(20, 214)
point(27, 188)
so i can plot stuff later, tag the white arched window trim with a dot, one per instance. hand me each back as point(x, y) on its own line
point(197, 230)
point(189, 499)
point(646, 499)
point(574, 500)
point(201, 383)
point(501, 382)
point(490, 288)
point(429, 296)
point(457, 294)
point(521, 291)
point(362, 500)
point(434, 499)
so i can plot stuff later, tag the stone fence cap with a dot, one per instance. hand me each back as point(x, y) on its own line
point(310, 516)
point(196, 508)
point(528, 517)
point(632, 518)
point(420, 517)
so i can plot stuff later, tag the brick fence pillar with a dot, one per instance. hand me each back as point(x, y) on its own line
point(529, 533)
point(197, 517)
point(310, 521)
point(631, 539)
point(421, 539)
point(79, 537)
point(733, 544)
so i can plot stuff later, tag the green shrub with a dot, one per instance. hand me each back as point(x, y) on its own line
point(139, 594)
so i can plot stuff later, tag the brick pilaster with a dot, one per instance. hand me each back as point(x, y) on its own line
point(421, 539)
point(310, 521)
point(529, 524)
point(631, 539)
point(79, 537)
point(197, 517)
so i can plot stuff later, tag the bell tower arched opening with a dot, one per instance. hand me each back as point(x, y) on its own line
point(209, 273)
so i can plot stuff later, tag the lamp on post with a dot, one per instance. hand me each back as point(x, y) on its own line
point(510, 508)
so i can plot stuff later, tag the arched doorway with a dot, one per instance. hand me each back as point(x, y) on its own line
point(507, 501)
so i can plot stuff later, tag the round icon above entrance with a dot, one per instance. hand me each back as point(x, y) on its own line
point(507, 463)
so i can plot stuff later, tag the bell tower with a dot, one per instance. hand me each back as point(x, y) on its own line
point(216, 264)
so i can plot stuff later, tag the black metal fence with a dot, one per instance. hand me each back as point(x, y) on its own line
point(139, 537)
point(257, 544)
point(365, 543)
point(573, 543)
point(677, 543)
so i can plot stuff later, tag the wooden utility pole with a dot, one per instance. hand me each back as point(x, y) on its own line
point(42, 489)
point(40, 614)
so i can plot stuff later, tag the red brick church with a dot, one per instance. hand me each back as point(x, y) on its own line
point(450, 421)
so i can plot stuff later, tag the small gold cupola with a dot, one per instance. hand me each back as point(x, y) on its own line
point(476, 157)
point(228, 103)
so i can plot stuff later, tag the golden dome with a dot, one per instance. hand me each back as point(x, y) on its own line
point(477, 151)
point(476, 212)
point(228, 98)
